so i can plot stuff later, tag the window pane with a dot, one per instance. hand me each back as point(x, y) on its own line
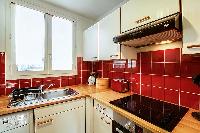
point(61, 44)
point(29, 39)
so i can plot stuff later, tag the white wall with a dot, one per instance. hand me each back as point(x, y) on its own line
point(2, 25)
point(82, 22)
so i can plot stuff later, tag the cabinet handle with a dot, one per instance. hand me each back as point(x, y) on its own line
point(107, 122)
point(113, 56)
point(194, 46)
point(94, 57)
point(102, 118)
point(41, 123)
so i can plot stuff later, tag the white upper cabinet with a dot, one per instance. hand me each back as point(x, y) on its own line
point(191, 26)
point(108, 28)
point(90, 46)
point(135, 10)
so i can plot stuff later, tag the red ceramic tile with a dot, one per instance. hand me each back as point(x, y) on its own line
point(172, 55)
point(136, 78)
point(136, 69)
point(25, 83)
point(84, 65)
point(8, 91)
point(172, 83)
point(158, 56)
point(146, 68)
point(90, 65)
point(158, 81)
point(85, 74)
point(172, 96)
point(56, 82)
point(118, 75)
point(84, 80)
point(14, 82)
point(145, 57)
point(138, 57)
point(2, 62)
point(146, 79)
point(190, 69)
point(100, 65)
point(190, 100)
point(158, 68)
point(64, 81)
point(158, 93)
point(189, 58)
point(127, 76)
point(2, 91)
point(188, 86)
point(146, 90)
point(78, 80)
point(172, 69)
point(105, 74)
point(37, 82)
point(72, 80)
point(135, 88)
point(2, 78)
point(100, 73)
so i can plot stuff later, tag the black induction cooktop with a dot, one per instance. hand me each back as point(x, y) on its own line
point(159, 113)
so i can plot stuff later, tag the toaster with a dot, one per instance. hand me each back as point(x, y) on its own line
point(120, 85)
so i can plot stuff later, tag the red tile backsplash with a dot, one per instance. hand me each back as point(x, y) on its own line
point(159, 74)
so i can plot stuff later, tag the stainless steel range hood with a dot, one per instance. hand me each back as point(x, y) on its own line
point(164, 30)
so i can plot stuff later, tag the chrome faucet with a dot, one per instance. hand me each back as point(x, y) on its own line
point(49, 85)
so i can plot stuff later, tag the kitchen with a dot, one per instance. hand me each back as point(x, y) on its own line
point(128, 66)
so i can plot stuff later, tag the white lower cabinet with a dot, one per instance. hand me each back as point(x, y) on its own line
point(102, 118)
point(66, 117)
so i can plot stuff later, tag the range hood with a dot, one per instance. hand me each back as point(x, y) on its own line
point(167, 29)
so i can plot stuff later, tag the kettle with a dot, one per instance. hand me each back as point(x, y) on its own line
point(92, 78)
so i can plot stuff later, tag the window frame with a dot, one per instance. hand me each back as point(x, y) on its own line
point(11, 68)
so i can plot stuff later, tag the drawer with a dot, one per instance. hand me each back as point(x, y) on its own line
point(57, 108)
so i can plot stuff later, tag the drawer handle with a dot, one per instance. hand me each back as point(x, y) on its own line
point(107, 122)
point(113, 56)
point(41, 123)
point(94, 57)
point(194, 46)
point(102, 118)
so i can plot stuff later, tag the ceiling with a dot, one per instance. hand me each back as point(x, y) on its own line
point(93, 9)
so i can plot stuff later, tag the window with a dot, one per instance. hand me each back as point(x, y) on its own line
point(62, 40)
point(41, 43)
point(29, 39)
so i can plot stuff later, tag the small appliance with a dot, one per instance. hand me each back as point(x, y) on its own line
point(120, 85)
point(92, 78)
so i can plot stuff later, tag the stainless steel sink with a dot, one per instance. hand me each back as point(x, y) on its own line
point(57, 94)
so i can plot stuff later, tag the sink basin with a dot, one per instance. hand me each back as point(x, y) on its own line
point(60, 93)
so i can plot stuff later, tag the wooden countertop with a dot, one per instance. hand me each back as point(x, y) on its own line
point(187, 125)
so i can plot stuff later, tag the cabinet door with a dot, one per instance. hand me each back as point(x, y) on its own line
point(191, 26)
point(90, 46)
point(135, 10)
point(69, 120)
point(102, 124)
point(89, 115)
point(108, 28)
